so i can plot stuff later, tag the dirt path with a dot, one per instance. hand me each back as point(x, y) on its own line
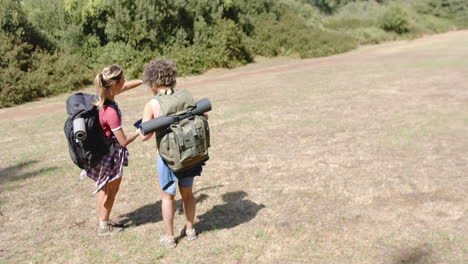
point(261, 69)
point(224, 76)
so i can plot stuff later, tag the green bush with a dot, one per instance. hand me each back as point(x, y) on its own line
point(225, 46)
point(369, 10)
point(427, 24)
point(291, 36)
point(359, 20)
point(190, 60)
point(371, 35)
point(348, 23)
point(123, 54)
point(60, 72)
point(27, 73)
point(395, 19)
point(322, 43)
point(453, 10)
point(263, 40)
point(221, 46)
point(50, 75)
point(54, 74)
point(328, 6)
point(371, 22)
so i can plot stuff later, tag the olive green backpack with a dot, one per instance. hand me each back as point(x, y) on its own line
point(184, 144)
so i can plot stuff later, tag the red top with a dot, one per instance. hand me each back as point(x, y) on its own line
point(109, 120)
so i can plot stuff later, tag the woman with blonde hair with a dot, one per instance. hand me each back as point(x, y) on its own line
point(107, 173)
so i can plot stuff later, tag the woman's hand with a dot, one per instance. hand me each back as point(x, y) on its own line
point(123, 139)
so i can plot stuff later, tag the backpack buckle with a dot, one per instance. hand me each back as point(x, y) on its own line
point(190, 115)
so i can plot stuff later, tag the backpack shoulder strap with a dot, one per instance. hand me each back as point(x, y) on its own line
point(155, 107)
point(114, 106)
point(176, 103)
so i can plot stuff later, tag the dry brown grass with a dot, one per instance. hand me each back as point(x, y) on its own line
point(355, 158)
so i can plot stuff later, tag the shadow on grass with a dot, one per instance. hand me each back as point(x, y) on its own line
point(417, 255)
point(233, 212)
point(14, 173)
point(151, 213)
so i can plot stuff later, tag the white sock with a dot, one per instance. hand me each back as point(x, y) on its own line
point(103, 224)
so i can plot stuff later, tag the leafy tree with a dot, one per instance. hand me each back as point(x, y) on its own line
point(13, 22)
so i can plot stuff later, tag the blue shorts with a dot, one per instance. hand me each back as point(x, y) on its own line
point(167, 178)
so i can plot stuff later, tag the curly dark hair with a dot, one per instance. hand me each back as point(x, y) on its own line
point(160, 72)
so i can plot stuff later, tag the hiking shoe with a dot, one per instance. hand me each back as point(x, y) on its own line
point(108, 231)
point(191, 234)
point(167, 241)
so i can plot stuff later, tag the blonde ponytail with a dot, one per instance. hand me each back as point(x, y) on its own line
point(104, 80)
point(101, 91)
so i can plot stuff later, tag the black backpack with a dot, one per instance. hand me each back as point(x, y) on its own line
point(88, 152)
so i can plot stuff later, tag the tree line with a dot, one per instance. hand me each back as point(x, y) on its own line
point(53, 46)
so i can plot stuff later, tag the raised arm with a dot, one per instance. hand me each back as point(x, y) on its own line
point(130, 85)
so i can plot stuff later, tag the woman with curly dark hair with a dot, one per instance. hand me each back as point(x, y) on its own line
point(160, 75)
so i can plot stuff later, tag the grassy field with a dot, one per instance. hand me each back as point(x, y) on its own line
point(354, 158)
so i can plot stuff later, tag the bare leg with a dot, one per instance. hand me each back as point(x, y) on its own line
point(189, 205)
point(106, 198)
point(168, 210)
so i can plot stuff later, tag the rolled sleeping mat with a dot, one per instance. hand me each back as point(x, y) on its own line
point(157, 123)
point(202, 107)
point(79, 129)
point(147, 127)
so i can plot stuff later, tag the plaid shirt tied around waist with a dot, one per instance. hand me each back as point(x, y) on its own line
point(109, 168)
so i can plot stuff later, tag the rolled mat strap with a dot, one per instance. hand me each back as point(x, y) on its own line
point(157, 123)
point(150, 126)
